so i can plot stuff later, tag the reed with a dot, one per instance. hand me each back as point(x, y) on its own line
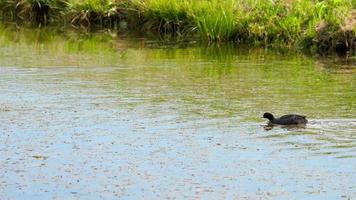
point(215, 20)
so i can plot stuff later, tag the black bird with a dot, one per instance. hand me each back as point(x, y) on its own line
point(286, 119)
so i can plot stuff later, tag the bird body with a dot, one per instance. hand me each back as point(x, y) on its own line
point(291, 119)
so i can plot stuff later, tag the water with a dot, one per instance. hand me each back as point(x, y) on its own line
point(94, 116)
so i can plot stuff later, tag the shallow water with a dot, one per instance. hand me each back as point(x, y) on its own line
point(100, 117)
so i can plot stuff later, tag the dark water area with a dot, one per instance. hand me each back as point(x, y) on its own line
point(98, 116)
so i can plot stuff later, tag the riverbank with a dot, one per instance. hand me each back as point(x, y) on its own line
point(322, 27)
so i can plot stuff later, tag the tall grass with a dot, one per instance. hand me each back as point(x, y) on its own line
point(215, 20)
point(164, 16)
point(320, 24)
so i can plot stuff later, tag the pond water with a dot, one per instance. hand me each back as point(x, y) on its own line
point(99, 116)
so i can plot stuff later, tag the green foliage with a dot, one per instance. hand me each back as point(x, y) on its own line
point(164, 16)
point(263, 22)
point(214, 19)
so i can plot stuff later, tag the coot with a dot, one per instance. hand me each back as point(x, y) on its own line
point(286, 119)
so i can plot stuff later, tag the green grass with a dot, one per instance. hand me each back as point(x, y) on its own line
point(308, 24)
point(215, 20)
point(162, 15)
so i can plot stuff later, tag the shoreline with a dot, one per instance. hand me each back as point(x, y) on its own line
point(318, 27)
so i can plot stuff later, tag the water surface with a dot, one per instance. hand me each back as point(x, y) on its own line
point(98, 116)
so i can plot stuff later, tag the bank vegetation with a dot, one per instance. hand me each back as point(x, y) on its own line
point(317, 25)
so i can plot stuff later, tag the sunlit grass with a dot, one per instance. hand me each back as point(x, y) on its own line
point(215, 20)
